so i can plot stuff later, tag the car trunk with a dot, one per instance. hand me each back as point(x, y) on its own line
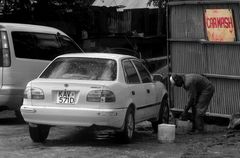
point(55, 92)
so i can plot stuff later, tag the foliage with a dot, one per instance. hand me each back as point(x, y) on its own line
point(158, 3)
point(13, 6)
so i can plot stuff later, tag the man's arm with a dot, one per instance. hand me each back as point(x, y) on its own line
point(192, 97)
point(191, 102)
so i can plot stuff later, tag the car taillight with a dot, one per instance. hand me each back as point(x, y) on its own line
point(5, 49)
point(33, 93)
point(101, 96)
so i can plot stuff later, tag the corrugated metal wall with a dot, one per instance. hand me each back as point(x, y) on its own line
point(125, 23)
point(191, 53)
point(140, 20)
point(226, 97)
point(223, 59)
point(188, 57)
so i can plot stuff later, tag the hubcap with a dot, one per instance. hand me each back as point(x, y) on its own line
point(130, 126)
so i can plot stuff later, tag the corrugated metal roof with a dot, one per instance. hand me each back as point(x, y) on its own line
point(124, 4)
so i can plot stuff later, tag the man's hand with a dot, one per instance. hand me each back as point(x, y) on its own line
point(183, 116)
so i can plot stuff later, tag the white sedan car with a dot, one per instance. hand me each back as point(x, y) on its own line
point(86, 89)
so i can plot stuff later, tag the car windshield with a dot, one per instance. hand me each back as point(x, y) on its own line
point(81, 69)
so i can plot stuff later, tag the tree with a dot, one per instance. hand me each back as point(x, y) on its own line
point(8, 7)
point(161, 15)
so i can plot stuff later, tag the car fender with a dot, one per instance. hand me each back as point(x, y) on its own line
point(161, 91)
point(131, 105)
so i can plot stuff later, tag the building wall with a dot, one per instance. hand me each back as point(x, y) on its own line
point(191, 52)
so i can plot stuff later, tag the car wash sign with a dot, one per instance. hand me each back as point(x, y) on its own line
point(219, 25)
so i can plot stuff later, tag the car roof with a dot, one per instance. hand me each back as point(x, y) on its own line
point(29, 28)
point(125, 51)
point(98, 55)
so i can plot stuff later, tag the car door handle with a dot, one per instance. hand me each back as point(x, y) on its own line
point(148, 91)
point(133, 92)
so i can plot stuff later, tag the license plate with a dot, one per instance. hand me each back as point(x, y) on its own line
point(66, 97)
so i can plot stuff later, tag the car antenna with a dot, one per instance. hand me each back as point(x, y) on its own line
point(134, 47)
point(58, 35)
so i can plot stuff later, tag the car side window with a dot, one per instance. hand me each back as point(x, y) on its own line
point(145, 75)
point(131, 73)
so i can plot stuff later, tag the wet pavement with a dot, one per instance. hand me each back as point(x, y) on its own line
point(72, 142)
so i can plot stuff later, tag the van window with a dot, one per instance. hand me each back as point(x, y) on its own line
point(40, 45)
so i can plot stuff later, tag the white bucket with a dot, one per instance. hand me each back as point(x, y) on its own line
point(166, 133)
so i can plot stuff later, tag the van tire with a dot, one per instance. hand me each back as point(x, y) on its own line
point(18, 115)
point(163, 115)
point(39, 133)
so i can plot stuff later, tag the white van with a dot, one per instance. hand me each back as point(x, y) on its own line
point(25, 50)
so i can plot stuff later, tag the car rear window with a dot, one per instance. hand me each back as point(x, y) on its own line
point(81, 69)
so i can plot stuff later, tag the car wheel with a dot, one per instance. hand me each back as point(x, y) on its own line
point(163, 115)
point(129, 127)
point(39, 133)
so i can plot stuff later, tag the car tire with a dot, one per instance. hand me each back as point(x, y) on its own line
point(163, 115)
point(127, 134)
point(39, 133)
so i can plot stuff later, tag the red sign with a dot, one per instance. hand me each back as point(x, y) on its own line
point(219, 25)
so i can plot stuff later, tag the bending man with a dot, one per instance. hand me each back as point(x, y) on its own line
point(200, 91)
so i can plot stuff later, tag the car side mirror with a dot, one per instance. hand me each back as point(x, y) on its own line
point(157, 77)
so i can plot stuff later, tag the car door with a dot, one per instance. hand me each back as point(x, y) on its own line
point(135, 90)
point(149, 90)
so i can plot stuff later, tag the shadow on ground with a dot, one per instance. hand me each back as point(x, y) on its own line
point(89, 137)
point(11, 121)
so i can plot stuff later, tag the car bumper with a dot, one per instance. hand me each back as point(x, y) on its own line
point(84, 117)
